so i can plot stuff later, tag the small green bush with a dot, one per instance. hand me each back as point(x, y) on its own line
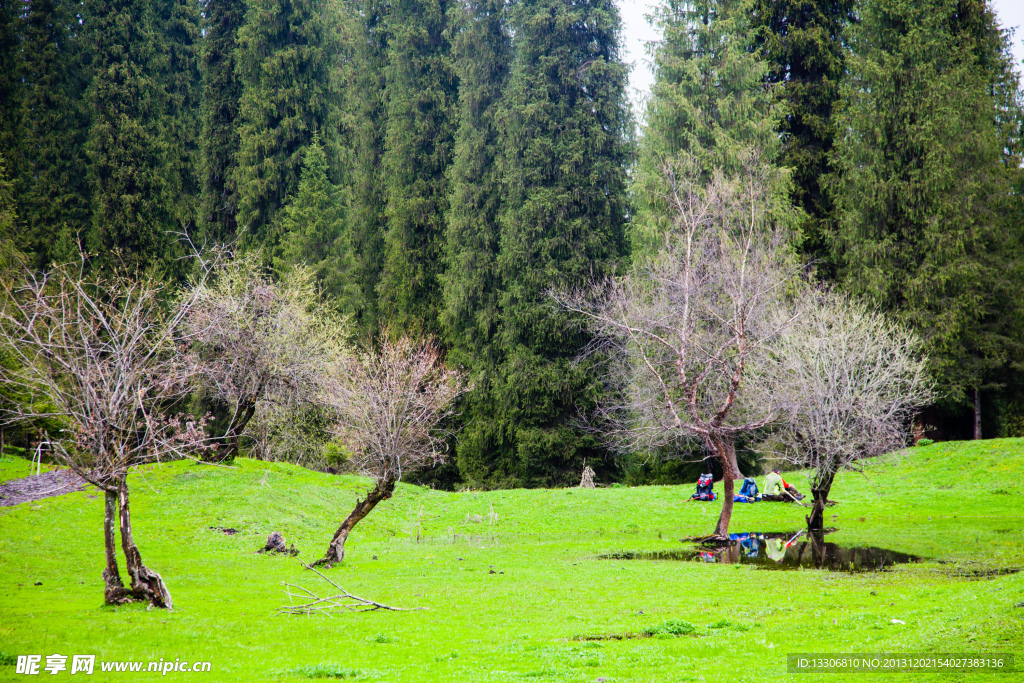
point(673, 627)
point(925, 442)
point(329, 671)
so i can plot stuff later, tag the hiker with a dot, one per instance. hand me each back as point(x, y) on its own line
point(775, 548)
point(748, 493)
point(777, 490)
point(705, 488)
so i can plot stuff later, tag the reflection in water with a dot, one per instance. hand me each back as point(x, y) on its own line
point(782, 551)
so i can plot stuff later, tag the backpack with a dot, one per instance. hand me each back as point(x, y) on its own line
point(705, 488)
point(749, 489)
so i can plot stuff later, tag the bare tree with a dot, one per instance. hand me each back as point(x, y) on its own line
point(257, 339)
point(391, 405)
point(851, 380)
point(683, 329)
point(99, 358)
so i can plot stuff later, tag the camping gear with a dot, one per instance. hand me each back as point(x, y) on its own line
point(748, 493)
point(705, 488)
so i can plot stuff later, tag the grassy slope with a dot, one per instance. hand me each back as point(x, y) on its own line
point(958, 502)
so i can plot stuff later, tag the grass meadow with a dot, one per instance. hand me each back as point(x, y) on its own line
point(511, 583)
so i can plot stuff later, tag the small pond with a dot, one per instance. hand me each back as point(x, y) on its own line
point(782, 551)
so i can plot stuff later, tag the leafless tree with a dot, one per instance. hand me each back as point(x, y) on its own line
point(258, 339)
point(684, 328)
point(851, 379)
point(391, 405)
point(98, 356)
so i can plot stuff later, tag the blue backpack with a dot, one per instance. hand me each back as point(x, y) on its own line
point(748, 493)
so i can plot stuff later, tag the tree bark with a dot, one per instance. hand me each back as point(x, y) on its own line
point(816, 520)
point(113, 588)
point(336, 550)
point(728, 486)
point(232, 437)
point(146, 584)
point(917, 427)
point(730, 451)
point(977, 413)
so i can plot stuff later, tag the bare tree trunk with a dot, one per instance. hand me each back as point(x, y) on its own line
point(232, 437)
point(729, 488)
point(917, 427)
point(113, 588)
point(816, 521)
point(977, 413)
point(146, 583)
point(730, 451)
point(336, 550)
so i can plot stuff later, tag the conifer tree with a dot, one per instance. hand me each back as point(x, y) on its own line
point(365, 119)
point(923, 184)
point(132, 213)
point(708, 100)
point(802, 43)
point(287, 59)
point(562, 127)
point(222, 89)
point(313, 233)
point(420, 95)
point(57, 195)
point(180, 23)
point(11, 90)
point(482, 54)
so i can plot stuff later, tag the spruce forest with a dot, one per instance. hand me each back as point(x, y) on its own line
point(439, 169)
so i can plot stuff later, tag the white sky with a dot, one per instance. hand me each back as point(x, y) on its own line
point(637, 32)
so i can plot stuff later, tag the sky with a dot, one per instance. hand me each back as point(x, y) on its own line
point(637, 32)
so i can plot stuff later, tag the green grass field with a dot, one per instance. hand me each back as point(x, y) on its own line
point(958, 504)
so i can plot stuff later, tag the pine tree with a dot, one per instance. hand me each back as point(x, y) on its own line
point(11, 89)
point(708, 101)
point(365, 124)
point(482, 55)
point(57, 195)
point(420, 95)
point(132, 212)
point(287, 59)
point(923, 183)
point(180, 23)
point(313, 229)
point(222, 89)
point(802, 43)
point(562, 128)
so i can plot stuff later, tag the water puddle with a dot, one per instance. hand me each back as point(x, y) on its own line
point(781, 551)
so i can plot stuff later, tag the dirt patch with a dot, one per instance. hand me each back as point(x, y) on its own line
point(39, 486)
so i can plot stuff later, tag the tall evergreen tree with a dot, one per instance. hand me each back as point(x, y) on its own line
point(802, 43)
point(923, 184)
point(313, 229)
point(11, 89)
point(482, 54)
point(420, 95)
point(132, 213)
point(562, 129)
point(708, 101)
point(55, 77)
point(287, 59)
point(180, 24)
point(365, 119)
point(222, 90)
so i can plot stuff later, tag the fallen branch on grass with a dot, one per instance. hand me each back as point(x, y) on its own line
point(342, 602)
